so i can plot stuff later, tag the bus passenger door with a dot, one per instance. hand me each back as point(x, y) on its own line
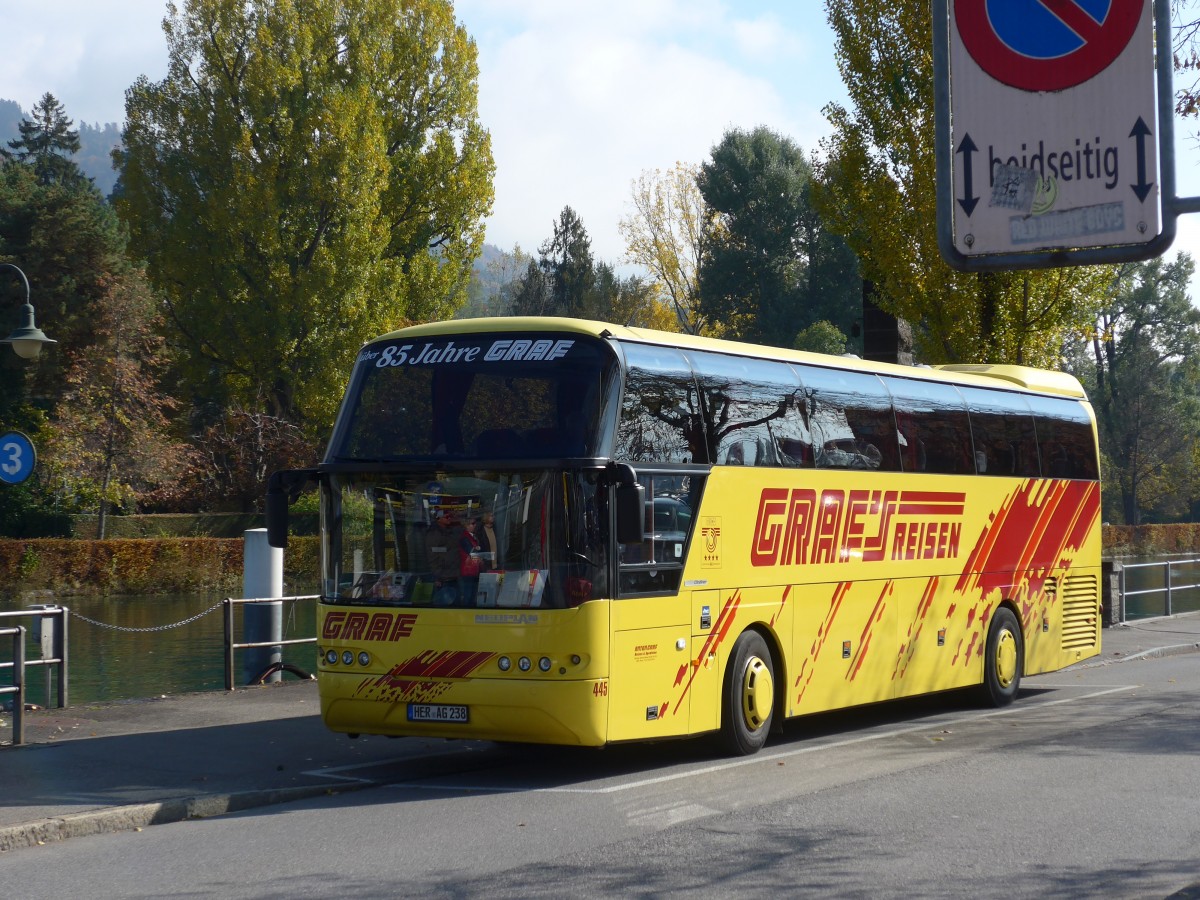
point(651, 653)
point(702, 684)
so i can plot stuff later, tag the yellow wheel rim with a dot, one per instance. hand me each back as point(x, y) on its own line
point(758, 693)
point(1006, 659)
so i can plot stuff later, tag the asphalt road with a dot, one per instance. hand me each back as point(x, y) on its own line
point(1088, 786)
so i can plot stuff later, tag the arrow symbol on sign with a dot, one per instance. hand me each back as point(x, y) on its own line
point(1141, 132)
point(968, 201)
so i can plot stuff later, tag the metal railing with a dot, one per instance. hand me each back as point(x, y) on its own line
point(1174, 585)
point(232, 646)
point(18, 681)
point(50, 628)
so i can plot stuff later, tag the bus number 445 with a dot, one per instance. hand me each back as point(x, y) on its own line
point(600, 689)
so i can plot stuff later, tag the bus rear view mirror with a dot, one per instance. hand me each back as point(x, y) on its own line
point(277, 518)
point(631, 511)
point(283, 488)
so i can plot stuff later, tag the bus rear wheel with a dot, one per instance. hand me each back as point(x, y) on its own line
point(1003, 658)
point(748, 705)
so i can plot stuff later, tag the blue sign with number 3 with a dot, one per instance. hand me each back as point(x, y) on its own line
point(17, 457)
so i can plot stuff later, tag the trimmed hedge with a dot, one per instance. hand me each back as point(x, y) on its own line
point(1152, 540)
point(66, 567)
point(143, 566)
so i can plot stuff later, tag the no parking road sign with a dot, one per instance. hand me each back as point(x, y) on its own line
point(1052, 138)
point(1046, 45)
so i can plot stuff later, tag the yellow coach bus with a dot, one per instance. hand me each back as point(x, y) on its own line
point(570, 532)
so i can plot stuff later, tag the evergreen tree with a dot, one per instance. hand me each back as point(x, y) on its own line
point(47, 143)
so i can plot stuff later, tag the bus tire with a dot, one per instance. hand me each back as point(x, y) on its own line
point(748, 704)
point(1003, 658)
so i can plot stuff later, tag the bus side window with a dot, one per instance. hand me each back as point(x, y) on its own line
point(1066, 443)
point(933, 424)
point(1002, 432)
point(850, 414)
point(661, 419)
point(745, 401)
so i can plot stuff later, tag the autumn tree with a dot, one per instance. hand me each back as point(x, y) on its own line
point(665, 234)
point(1185, 40)
point(308, 173)
point(766, 246)
point(877, 189)
point(111, 443)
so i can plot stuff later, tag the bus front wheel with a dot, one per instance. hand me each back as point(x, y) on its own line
point(1003, 658)
point(749, 699)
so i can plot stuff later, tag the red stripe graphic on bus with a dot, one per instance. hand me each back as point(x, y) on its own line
point(909, 647)
point(864, 640)
point(1038, 529)
point(414, 678)
point(835, 604)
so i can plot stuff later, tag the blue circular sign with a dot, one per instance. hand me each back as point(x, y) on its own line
point(17, 457)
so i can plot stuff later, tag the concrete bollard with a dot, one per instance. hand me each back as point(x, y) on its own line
point(1112, 603)
point(262, 576)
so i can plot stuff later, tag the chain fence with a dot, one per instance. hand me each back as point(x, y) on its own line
point(126, 628)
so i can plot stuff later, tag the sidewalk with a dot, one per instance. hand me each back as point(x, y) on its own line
point(111, 767)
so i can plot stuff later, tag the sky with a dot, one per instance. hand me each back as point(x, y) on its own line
point(580, 96)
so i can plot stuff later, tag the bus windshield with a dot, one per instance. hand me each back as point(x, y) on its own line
point(468, 540)
point(481, 396)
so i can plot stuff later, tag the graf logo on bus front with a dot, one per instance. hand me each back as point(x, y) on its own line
point(361, 626)
point(801, 527)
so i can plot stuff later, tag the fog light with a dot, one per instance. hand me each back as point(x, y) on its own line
point(524, 664)
point(575, 659)
point(504, 663)
point(544, 664)
point(364, 658)
point(331, 657)
point(348, 657)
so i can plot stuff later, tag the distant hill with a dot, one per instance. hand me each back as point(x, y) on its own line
point(96, 144)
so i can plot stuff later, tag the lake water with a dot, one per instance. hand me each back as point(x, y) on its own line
point(1145, 587)
point(130, 661)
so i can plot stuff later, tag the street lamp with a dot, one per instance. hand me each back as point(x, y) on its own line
point(28, 339)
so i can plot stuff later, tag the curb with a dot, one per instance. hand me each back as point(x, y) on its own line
point(1152, 653)
point(1158, 652)
point(140, 815)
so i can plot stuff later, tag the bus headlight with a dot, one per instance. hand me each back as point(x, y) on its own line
point(364, 658)
point(524, 664)
point(504, 663)
point(348, 657)
point(331, 657)
point(544, 664)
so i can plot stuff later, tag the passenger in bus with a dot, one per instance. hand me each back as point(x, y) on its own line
point(470, 562)
point(442, 547)
point(488, 542)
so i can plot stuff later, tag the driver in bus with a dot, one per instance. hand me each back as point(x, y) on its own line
point(442, 548)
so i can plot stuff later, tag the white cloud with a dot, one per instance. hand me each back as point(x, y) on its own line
point(85, 52)
point(580, 105)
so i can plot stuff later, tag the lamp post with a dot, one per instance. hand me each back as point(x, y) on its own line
point(27, 340)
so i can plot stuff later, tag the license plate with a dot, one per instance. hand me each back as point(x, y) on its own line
point(436, 712)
